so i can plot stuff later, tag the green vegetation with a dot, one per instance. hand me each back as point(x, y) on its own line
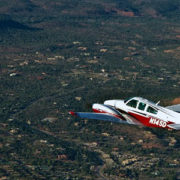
point(64, 55)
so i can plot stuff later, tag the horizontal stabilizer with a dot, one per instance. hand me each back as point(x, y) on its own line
point(98, 116)
point(175, 108)
point(174, 126)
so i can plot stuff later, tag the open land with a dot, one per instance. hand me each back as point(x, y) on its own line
point(64, 55)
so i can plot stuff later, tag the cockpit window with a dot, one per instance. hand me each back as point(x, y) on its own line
point(152, 110)
point(141, 106)
point(132, 103)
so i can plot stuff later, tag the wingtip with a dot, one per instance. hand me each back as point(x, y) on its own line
point(72, 113)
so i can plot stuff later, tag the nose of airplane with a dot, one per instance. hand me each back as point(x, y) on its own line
point(110, 102)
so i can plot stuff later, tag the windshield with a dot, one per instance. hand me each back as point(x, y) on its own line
point(132, 103)
point(127, 99)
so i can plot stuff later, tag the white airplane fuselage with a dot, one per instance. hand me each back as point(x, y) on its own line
point(137, 111)
point(140, 110)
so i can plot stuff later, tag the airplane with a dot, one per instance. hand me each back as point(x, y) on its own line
point(136, 111)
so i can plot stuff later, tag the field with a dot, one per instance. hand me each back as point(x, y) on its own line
point(58, 56)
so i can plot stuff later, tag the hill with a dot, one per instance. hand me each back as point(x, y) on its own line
point(64, 55)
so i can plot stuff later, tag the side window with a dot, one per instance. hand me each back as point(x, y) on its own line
point(141, 106)
point(132, 103)
point(152, 110)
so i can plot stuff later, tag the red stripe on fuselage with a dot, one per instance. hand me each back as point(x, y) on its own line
point(150, 121)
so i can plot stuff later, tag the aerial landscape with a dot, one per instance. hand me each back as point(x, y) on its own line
point(63, 55)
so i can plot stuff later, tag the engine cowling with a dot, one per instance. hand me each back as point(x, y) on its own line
point(102, 108)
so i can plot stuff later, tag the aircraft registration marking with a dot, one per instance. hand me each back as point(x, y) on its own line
point(158, 122)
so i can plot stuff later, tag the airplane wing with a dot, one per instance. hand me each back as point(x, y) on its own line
point(99, 116)
point(175, 108)
point(174, 126)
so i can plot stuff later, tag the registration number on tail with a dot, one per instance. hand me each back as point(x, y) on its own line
point(158, 122)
